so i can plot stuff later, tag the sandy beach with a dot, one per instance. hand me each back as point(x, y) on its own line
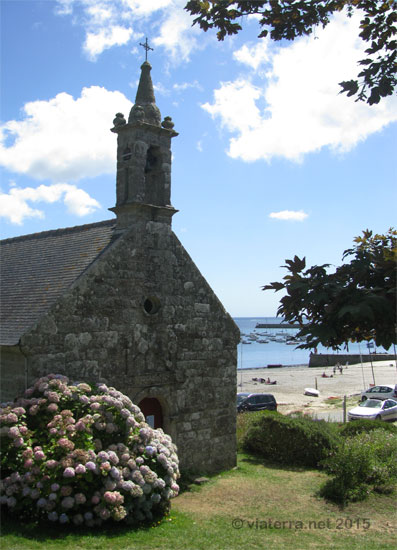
point(292, 381)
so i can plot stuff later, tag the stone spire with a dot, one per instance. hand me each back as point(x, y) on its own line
point(145, 108)
point(143, 183)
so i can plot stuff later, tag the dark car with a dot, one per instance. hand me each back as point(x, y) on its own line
point(256, 402)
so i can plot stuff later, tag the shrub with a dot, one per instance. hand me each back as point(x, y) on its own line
point(363, 425)
point(244, 421)
point(292, 441)
point(362, 463)
point(82, 454)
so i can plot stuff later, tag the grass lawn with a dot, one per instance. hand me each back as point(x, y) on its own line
point(238, 509)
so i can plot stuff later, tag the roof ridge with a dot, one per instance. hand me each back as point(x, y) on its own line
point(59, 231)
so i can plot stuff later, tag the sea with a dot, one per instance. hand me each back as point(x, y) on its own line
point(257, 355)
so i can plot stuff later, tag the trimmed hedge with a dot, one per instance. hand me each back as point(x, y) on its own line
point(291, 441)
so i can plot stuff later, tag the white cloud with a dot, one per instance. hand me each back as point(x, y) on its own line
point(100, 14)
point(255, 56)
point(235, 103)
point(109, 23)
point(64, 138)
point(145, 7)
point(103, 39)
point(177, 35)
point(15, 208)
point(64, 7)
point(186, 85)
point(289, 215)
point(295, 109)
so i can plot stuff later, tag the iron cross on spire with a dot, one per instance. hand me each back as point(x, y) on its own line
point(147, 48)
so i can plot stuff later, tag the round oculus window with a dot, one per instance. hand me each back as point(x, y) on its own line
point(151, 305)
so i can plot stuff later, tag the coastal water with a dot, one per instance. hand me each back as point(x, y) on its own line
point(257, 355)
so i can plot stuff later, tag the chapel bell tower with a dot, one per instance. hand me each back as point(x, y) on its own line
point(143, 186)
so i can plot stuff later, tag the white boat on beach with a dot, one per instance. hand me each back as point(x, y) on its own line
point(312, 392)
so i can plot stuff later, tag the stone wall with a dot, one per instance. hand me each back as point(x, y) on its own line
point(144, 320)
point(13, 372)
point(329, 360)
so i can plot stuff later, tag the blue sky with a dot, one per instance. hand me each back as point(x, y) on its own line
point(270, 160)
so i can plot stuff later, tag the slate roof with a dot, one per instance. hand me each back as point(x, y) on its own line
point(37, 269)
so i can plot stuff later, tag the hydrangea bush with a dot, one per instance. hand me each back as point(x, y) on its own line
point(85, 455)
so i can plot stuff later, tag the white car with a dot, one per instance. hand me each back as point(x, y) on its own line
point(375, 409)
point(385, 391)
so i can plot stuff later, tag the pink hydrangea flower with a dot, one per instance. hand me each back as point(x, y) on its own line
point(27, 453)
point(104, 513)
point(84, 399)
point(69, 472)
point(53, 397)
point(80, 469)
point(91, 466)
point(13, 431)
point(11, 418)
point(80, 498)
point(119, 513)
point(114, 459)
point(66, 444)
point(103, 455)
point(39, 455)
point(80, 426)
point(67, 502)
point(105, 466)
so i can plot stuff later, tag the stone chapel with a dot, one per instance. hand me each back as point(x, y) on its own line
point(121, 301)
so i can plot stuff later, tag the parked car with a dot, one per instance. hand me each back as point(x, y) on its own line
point(256, 402)
point(385, 391)
point(375, 409)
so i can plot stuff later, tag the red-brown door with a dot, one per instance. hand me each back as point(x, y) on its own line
point(151, 408)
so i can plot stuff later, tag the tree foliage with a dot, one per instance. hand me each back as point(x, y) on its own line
point(356, 302)
point(289, 19)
